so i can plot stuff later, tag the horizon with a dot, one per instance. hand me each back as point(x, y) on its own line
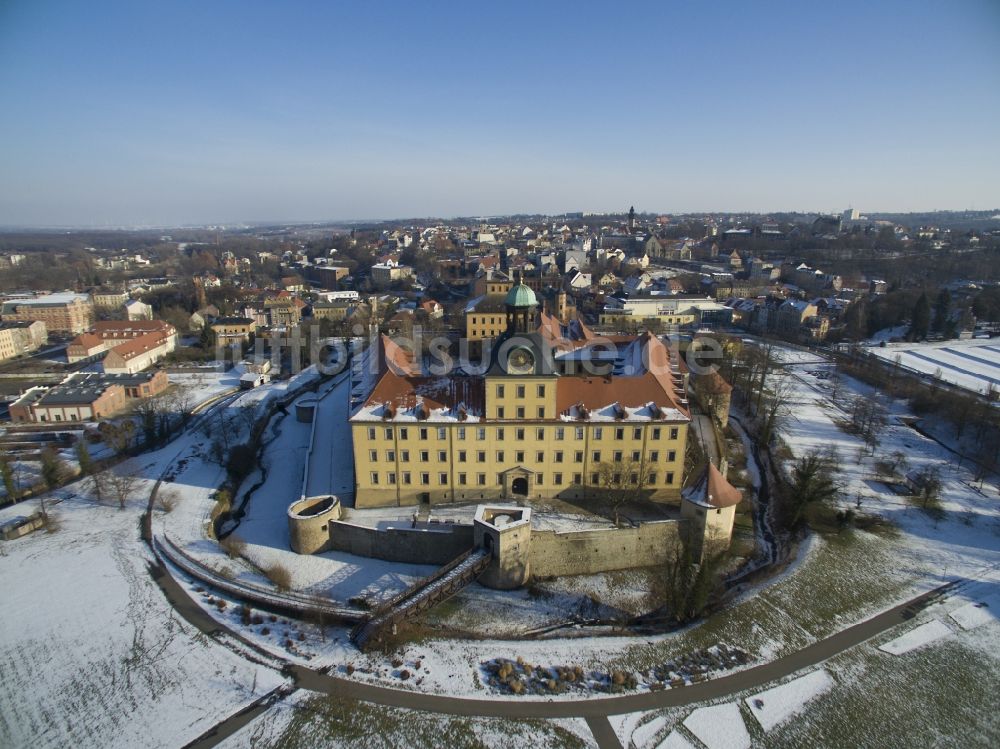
point(250, 223)
point(188, 116)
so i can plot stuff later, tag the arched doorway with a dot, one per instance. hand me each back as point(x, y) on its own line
point(519, 486)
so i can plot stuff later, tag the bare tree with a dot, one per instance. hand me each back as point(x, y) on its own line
point(773, 406)
point(246, 414)
point(122, 482)
point(622, 482)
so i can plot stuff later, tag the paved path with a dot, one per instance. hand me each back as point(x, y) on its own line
point(702, 424)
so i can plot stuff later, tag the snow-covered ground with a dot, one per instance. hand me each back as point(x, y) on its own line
point(973, 364)
point(774, 706)
point(92, 653)
point(916, 638)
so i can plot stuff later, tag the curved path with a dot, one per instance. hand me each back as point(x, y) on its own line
point(591, 708)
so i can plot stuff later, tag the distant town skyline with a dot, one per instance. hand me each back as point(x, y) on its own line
point(122, 114)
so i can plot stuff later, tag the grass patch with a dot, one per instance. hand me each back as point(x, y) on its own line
point(327, 720)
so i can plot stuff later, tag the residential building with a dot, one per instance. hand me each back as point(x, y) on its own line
point(109, 298)
point(233, 329)
point(19, 338)
point(386, 273)
point(109, 334)
point(64, 312)
point(136, 310)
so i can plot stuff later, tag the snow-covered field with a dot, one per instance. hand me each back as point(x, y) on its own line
point(974, 364)
point(92, 653)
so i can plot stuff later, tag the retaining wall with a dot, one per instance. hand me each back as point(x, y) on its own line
point(602, 550)
point(408, 545)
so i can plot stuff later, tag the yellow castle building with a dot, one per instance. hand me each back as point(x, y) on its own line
point(556, 412)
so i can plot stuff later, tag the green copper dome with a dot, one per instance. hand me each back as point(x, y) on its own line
point(520, 296)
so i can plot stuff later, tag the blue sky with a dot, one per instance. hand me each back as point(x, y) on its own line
point(129, 113)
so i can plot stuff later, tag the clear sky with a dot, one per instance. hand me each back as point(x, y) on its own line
point(173, 112)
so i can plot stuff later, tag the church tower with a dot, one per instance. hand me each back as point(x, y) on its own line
point(521, 305)
point(631, 220)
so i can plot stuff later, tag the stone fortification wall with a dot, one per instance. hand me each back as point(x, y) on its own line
point(407, 545)
point(591, 551)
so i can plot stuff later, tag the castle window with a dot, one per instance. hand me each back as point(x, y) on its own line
point(443, 479)
point(652, 478)
point(404, 456)
point(481, 479)
point(424, 456)
point(671, 456)
point(500, 456)
point(654, 456)
point(500, 433)
point(388, 433)
point(520, 391)
point(637, 433)
point(519, 434)
point(499, 391)
point(520, 412)
point(673, 433)
point(390, 456)
point(442, 456)
point(461, 433)
point(594, 478)
point(406, 477)
point(617, 456)
point(373, 456)
point(670, 477)
point(392, 477)
point(461, 479)
point(541, 412)
point(635, 456)
point(541, 391)
point(500, 412)
point(578, 456)
point(579, 433)
point(560, 433)
point(442, 433)
point(519, 456)
point(481, 456)
point(461, 456)
point(577, 478)
point(404, 433)
point(425, 478)
point(539, 479)
point(540, 433)
point(557, 479)
point(423, 433)
point(539, 457)
point(371, 433)
point(656, 433)
point(480, 434)
point(619, 433)
point(634, 479)
point(597, 456)
point(374, 477)
point(598, 433)
point(559, 456)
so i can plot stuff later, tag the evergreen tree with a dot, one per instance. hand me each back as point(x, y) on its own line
point(920, 319)
point(942, 310)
